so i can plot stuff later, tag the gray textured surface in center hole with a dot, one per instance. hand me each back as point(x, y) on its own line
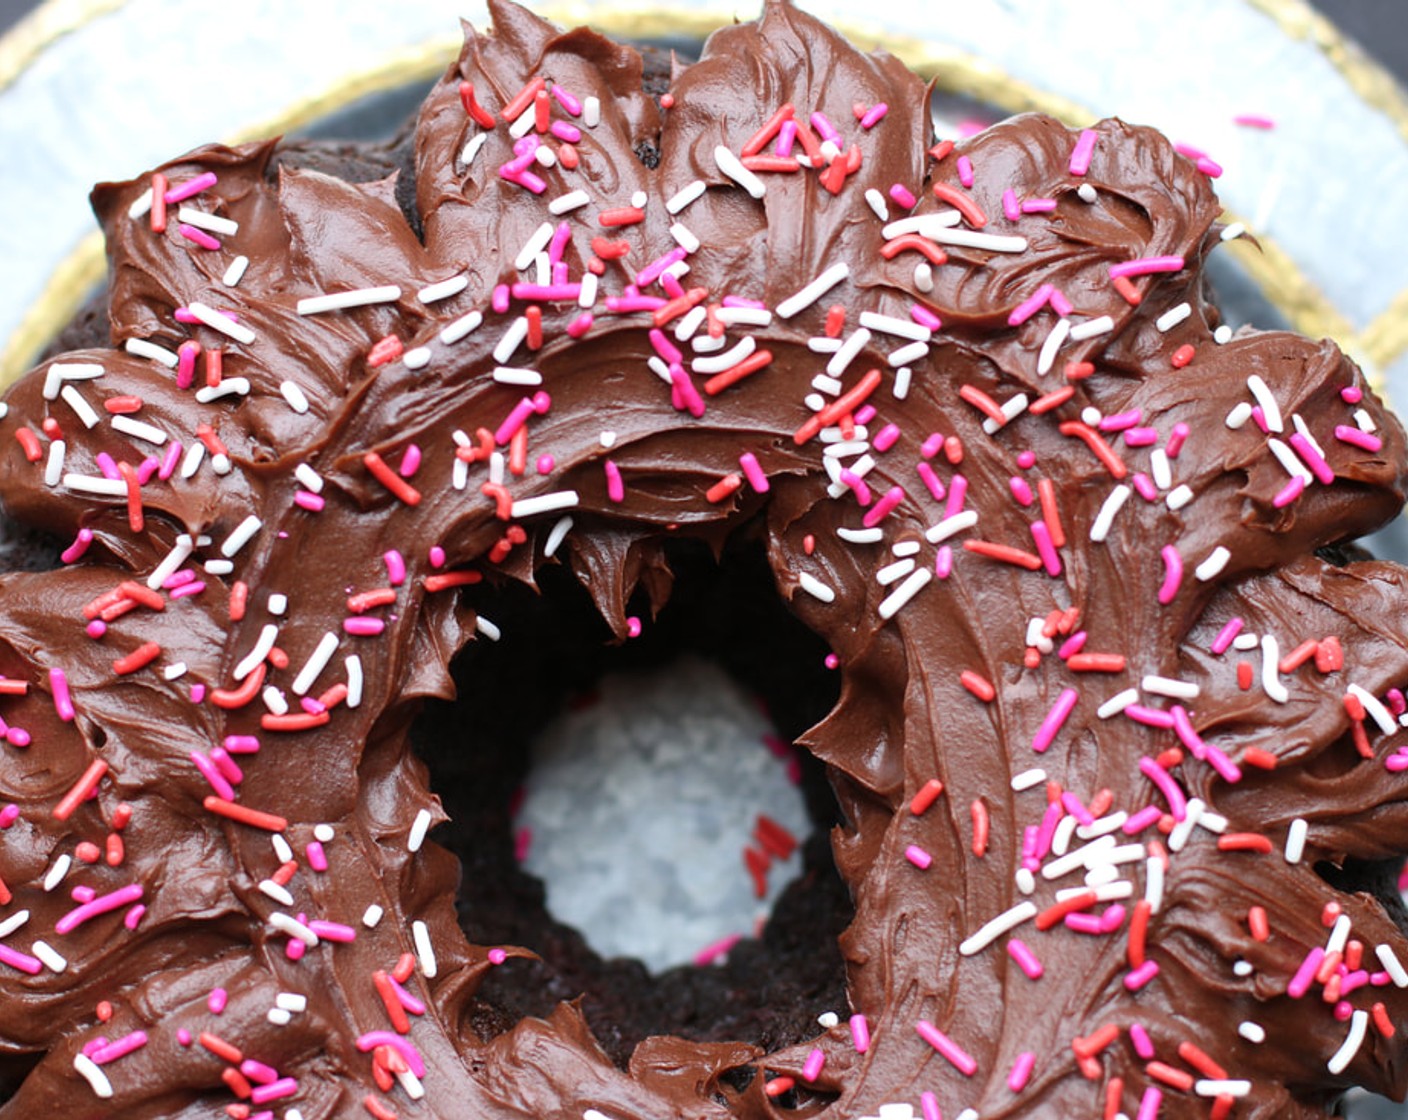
point(638, 808)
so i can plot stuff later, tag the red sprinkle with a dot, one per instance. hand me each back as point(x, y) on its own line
point(80, 790)
point(523, 98)
point(139, 658)
point(1183, 355)
point(620, 216)
point(245, 815)
point(1244, 842)
point(482, 117)
point(978, 685)
point(390, 479)
point(971, 211)
point(928, 793)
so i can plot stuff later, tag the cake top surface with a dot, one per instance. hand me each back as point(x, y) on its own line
point(1104, 710)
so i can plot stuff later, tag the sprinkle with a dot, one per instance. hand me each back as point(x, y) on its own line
point(52, 960)
point(1054, 720)
point(96, 1078)
point(242, 534)
point(906, 591)
point(244, 815)
point(1177, 804)
point(1145, 266)
point(1173, 574)
point(217, 321)
point(425, 951)
point(383, 473)
point(1081, 153)
point(1270, 659)
point(961, 1060)
point(338, 301)
point(1312, 458)
point(299, 931)
point(996, 927)
point(80, 790)
point(1358, 1024)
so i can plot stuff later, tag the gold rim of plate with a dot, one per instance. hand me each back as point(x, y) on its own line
point(1270, 266)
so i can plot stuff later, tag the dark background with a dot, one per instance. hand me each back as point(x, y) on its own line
point(1381, 26)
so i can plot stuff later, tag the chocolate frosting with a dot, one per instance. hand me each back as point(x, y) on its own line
point(1271, 755)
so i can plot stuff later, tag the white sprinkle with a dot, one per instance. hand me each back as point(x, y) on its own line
point(1233, 231)
point(1270, 679)
point(684, 237)
point(338, 301)
point(1011, 408)
point(278, 893)
point(861, 536)
point(1358, 1024)
point(76, 401)
point(1087, 855)
point(815, 588)
point(1239, 415)
point(353, 665)
point(1180, 497)
point(226, 227)
point(544, 503)
point(876, 201)
point(521, 125)
point(996, 927)
point(471, 148)
point(566, 203)
point(235, 273)
point(828, 1019)
point(693, 319)
point(1289, 460)
point(424, 950)
point(1087, 193)
point(1154, 883)
point(1160, 468)
point(545, 156)
point(91, 1073)
point(287, 923)
point(892, 572)
point(243, 533)
point(461, 327)
point(828, 385)
point(1246, 642)
point(923, 224)
point(1028, 779)
point(1392, 965)
point(1374, 706)
point(906, 591)
point(834, 434)
point(372, 915)
point(971, 239)
point(96, 484)
point(1170, 686)
point(229, 387)
point(291, 1001)
point(1304, 430)
point(49, 955)
point(275, 700)
point(586, 298)
point(222, 323)
point(172, 561)
point(496, 468)
point(1222, 335)
point(556, 536)
point(1252, 1032)
point(1106, 517)
point(408, 1080)
point(510, 340)
point(517, 375)
point(1214, 563)
point(1092, 328)
point(190, 462)
point(902, 379)
point(419, 827)
point(294, 395)
point(731, 166)
point(924, 277)
point(533, 246)
point(57, 872)
point(1103, 825)
point(1295, 840)
point(139, 429)
point(591, 111)
point(175, 671)
point(1222, 1087)
point(1091, 416)
point(843, 357)
point(906, 548)
point(1193, 812)
point(141, 205)
point(487, 628)
point(59, 372)
point(744, 316)
point(282, 851)
point(891, 324)
point(946, 528)
point(720, 362)
point(278, 603)
point(1117, 703)
point(262, 645)
point(813, 291)
point(1270, 410)
point(1212, 822)
point(607, 438)
point(1061, 838)
point(1243, 968)
point(1054, 341)
point(13, 922)
point(141, 348)
point(1173, 316)
point(281, 1018)
point(316, 663)
point(54, 464)
point(684, 196)
point(444, 289)
point(905, 355)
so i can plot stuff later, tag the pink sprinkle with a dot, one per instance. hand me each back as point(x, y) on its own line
point(883, 507)
point(241, 744)
point(1141, 437)
point(217, 1000)
point(1010, 207)
point(1060, 304)
point(63, 702)
point(1038, 205)
point(1121, 420)
point(1144, 486)
point(1227, 770)
point(198, 236)
point(874, 115)
point(1026, 459)
point(615, 486)
point(410, 460)
point(183, 315)
point(903, 196)
point(1254, 120)
point(943, 562)
point(962, 1061)
point(1143, 1044)
point(1149, 1104)
point(1020, 490)
point(918, 856)
point(860, 1033)
point(1312, 458)
point(190, 188)
point(1305, 974)
point(363, 626)
point(1177, 805)
point(333, 931)
point(1072, 804)
point(119, 1047)
point(1112, 918)
point(885, 438)
point(9, 814)
point(169, 460)
point(83, 894)
point(1030, 306)
point(516, 418)
point(226, 765)
point(1021, 1071)
point(1187, 733)
point(395, 567)
point(183, 1036)
point(633, 626)
point(932, 445)
point(372, 1039)
point(965, 171)
point(317, 856)
point(1025, 958)
point(826, 129)
point(1346, 433)
point(522, 844)
point(112, 901)
point(865, 414)
point(409, 1001)
point(1138, 822)
point(1074, 644)
point(931, 480)
point(925, 318)
point(284, 1087)
point(306, 499)
point(1046, 549)
point(1259, 416)
point(684, 395)
point(259, 1072)
point(1210, 167)
point(1143, 266)
point(1289, 493)
point(186, 589)
point(1055, 718)
point(1351, 394)
point(437, 554)
point(22, 961)
point(217, 780)
point(107, 465)
point(197, 693)
point(753, 472)
point(715, 950)
point(957, 491)
point(566, 100)
point(1081, 153)
point(857, 484)
point(1225, 636)
point(96, 629)
point(568, 133)
point(625, 305)
point(929, 1106)
point(811, 1068)
point(665, 348)
point(1083, 923)
point(1173, 573)
point(672, 287)
point(653, 271)
point(1149, 717)
point(786, 137)
point(1189, 151)
point(1049, 820)
point(18, 737)
point(1176, 440)
point(499, 298)
point(498, 956)
point(79, 546)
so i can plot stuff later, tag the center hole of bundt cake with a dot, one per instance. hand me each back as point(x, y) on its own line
point(605, 797)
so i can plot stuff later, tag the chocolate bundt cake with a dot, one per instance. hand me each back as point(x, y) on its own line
point(1117, 755)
